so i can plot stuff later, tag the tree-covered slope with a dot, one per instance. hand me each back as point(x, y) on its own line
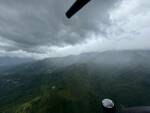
point(77, 83)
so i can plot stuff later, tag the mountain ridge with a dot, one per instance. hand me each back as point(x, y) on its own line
point(76, 83)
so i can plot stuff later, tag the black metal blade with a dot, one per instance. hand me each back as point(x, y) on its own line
point(76, 7)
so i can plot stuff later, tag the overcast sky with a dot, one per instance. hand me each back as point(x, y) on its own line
point(39, 28)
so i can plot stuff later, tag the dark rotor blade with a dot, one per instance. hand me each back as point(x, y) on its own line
point(76, 7)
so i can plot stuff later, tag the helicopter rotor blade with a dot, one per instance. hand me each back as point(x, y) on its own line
point(76, 7)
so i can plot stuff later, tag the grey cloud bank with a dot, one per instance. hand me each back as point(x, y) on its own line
point(39, 28)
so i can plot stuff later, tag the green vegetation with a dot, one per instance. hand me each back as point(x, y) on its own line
point(77, 87)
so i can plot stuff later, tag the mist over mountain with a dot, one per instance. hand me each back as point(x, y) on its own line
point(77, 83)
point(124, 58)
point(10, 61)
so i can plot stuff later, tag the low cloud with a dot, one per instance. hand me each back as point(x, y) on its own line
point(39, 29)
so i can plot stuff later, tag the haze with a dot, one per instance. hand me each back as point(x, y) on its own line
point(39, 29)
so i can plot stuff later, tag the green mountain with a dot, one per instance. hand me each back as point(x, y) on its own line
point(77, 84)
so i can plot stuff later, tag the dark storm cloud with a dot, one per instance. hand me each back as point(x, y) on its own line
point(30, 24)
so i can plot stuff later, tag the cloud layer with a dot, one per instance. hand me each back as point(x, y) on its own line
point(39, 28)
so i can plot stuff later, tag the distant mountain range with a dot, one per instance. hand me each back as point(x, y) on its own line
point(10, 61)
point(76, 83)
point(6, 62)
